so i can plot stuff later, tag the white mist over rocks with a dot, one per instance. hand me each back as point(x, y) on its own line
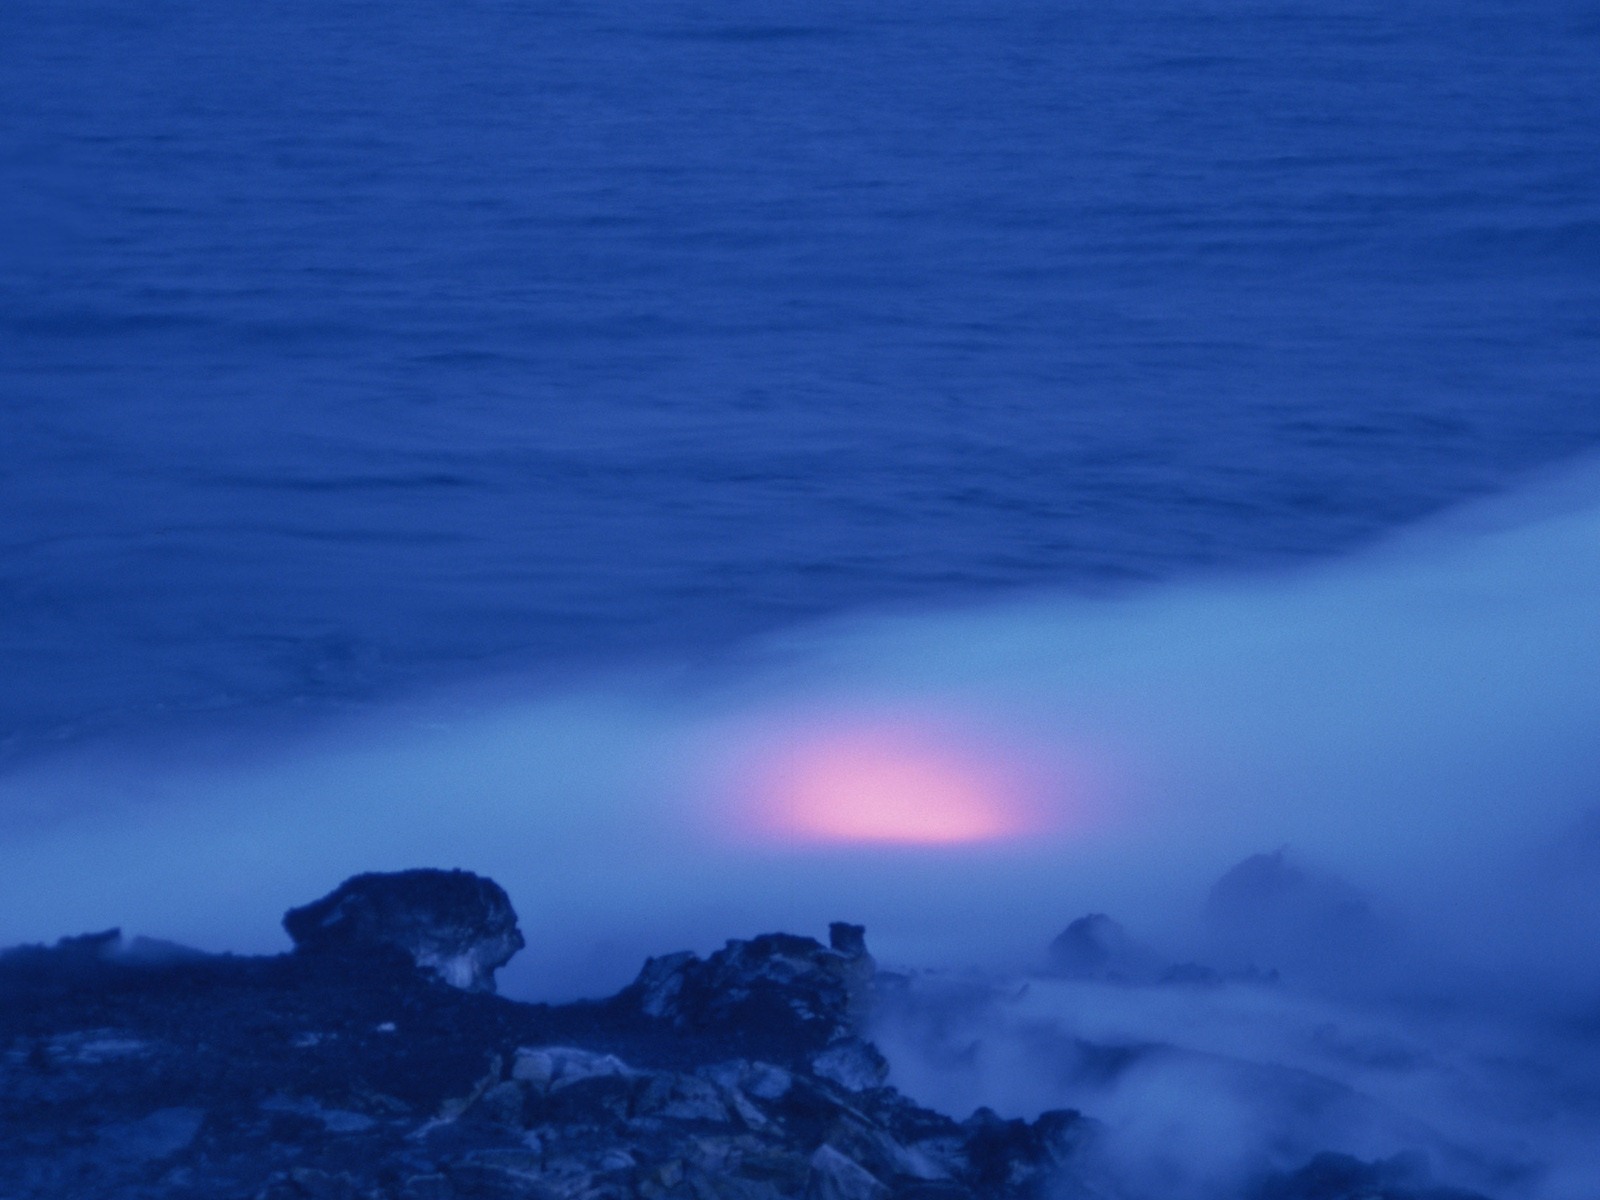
point(1203, 1086)
point(1417, 726)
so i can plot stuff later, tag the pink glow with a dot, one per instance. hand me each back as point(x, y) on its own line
point(888, 784)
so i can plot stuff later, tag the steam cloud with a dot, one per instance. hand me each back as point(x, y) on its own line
point(1417, 725)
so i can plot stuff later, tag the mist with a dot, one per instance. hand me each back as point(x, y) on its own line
point(1405, 737)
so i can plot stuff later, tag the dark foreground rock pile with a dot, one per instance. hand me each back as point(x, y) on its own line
point(375, 1061)
point(352, 1068)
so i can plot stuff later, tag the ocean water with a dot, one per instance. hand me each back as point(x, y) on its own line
point(348, 349)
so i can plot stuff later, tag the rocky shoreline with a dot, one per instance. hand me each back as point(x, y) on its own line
point(376, 1061)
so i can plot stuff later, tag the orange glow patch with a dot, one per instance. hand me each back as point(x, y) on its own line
point(888, 786)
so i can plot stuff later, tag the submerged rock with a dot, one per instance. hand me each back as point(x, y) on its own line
point(454, 924)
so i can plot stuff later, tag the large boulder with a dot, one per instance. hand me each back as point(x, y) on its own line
point(454, 924)
point(787, 988)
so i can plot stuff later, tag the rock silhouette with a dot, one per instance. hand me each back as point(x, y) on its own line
point(456, 924)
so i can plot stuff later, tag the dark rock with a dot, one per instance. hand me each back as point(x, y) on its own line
point(876, 1145)
point(1014, 1155)
point(835, 1177)
point(1272, 912)
point(1097, 947)
point(159, 1134)
point(684, 1098)
point(778, 987)
point(342, 1072)
point(1341, 1177)
point(454, 924)
point(853, 1064)
point(847, 939)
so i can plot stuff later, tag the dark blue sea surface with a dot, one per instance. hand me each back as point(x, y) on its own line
point(346, 347)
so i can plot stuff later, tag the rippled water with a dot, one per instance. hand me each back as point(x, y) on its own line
point(346, 346)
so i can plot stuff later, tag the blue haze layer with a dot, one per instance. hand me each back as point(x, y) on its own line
point(347, 346)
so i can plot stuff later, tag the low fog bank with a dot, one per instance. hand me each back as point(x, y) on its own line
point(1415, 725)
point(1417, 721)
point(1206, 1080)
point(1201, 1091)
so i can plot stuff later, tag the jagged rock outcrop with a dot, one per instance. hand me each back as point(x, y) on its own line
point(457, 925)
point(793, 988)
point(345, 1071)
point(783, 993)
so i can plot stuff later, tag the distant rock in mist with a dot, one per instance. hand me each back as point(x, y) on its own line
point(88, 952)
point(1341, 1177)
point(458, 925)
point(1272, 912)
point(1097, 947)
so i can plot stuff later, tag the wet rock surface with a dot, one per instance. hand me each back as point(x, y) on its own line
point(741, 1076)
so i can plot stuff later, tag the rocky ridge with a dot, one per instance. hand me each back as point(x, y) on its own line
point(374, 1061)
